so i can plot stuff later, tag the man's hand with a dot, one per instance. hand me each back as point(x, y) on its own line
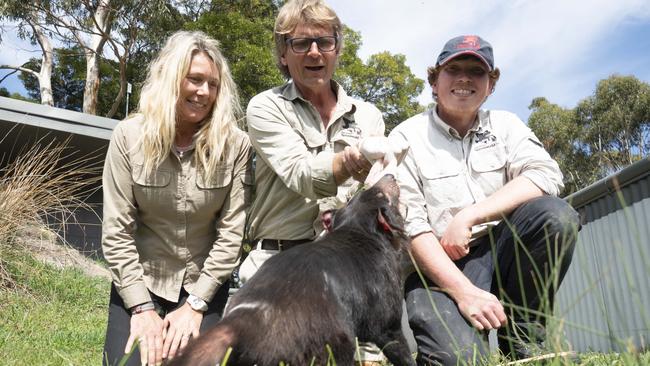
point(481, 308)
point(355, 163)
point(147, 328)
point(179, 325)
point(455, 239)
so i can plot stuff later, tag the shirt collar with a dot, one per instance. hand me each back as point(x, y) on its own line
point(344, 104)
point(480, 123)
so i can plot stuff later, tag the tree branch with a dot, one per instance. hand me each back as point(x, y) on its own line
point(16, 69)
point(8, 75)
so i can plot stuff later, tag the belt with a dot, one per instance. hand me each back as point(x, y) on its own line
point(278, 244)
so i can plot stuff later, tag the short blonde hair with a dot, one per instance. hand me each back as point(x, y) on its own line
point(160, 95)
point(295, 12)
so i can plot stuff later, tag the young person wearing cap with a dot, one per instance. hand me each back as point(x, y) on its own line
point(487, 228)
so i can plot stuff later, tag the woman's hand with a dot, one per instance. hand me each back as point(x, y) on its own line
point(179, 325)
point(147, 328)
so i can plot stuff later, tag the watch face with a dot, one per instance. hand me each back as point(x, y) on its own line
point(197, 304)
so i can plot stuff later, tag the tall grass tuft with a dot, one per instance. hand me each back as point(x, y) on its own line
point(41, 188)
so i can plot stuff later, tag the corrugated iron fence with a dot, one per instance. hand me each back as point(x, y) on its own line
point(604, 301)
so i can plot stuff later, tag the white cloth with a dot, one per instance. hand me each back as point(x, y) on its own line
point(384, 153)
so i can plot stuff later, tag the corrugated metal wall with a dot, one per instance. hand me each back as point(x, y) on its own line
point(23, 124)
point(604, 300)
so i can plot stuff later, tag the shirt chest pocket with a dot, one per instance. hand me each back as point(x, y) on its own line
point(314, 140)
point(220, 179)
point(211, 192)
point(302, 123)
point(489, 167)
point(152, 189)
point(441, 182)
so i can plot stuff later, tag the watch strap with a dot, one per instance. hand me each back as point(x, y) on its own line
point(149, 305)
point(197, 303)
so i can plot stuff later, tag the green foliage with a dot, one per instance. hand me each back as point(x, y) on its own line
point(4, 92)
point(616, 121)
point(68, 72)
point(604, 133)
point(385, 81)
point(68, 75)
point(557, 129)
point(245, 32)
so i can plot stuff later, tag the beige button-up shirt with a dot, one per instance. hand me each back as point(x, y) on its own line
point(443, 173)
point(293, 173)
point(174, 227)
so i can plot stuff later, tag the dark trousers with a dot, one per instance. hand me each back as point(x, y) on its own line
point(119, 322)
point(522, 261)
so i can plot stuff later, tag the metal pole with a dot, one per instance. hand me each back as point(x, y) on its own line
point(128, 92)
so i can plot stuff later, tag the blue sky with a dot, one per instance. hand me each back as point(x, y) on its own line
point(558, 49)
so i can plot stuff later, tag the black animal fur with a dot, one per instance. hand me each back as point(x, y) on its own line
point(343, 285)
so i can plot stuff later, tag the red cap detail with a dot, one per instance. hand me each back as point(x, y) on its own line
point(469, 43)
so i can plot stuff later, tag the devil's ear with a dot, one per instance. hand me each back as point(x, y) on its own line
point(383, 223)
point(326, 219)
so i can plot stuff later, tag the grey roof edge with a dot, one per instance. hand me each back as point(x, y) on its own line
point(611, 183)
point(19, 107)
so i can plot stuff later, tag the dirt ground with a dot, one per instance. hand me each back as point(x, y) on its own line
point(47, 247)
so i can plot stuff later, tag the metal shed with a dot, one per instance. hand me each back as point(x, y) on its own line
point(604, 300)
point(23, 124)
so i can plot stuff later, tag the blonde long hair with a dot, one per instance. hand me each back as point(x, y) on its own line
point(160, 94)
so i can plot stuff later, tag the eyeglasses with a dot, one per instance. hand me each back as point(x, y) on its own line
point(302, 45)
point(473, 71)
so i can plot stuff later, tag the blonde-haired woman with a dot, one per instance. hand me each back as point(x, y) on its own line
point(176, 183)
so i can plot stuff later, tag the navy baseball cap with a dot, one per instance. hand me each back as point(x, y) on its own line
point(467, 45)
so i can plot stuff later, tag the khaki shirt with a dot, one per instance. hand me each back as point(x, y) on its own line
point(443, 173)
point(293, 172)
point(174, 227)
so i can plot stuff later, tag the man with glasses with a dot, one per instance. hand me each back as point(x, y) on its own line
point(487, 230)
point(305, 134)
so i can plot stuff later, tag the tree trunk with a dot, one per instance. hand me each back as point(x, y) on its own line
point(93, 53)
point(45, 74)
point(122, 92)
point(91, 90)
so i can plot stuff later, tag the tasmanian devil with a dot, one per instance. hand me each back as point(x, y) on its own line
point(306, 305)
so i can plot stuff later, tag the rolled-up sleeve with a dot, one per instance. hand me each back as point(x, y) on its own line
point(226, 250)
point(411, 194)
point(119, 223)
point(527, 157)
point(284, 149)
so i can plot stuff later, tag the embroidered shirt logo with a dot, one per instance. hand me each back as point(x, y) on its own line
point(352, 131)
point(484, 139)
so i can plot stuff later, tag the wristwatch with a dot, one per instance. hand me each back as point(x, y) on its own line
point(197, 303)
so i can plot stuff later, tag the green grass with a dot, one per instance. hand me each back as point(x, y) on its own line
point(58, 317)
point(52, 316)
